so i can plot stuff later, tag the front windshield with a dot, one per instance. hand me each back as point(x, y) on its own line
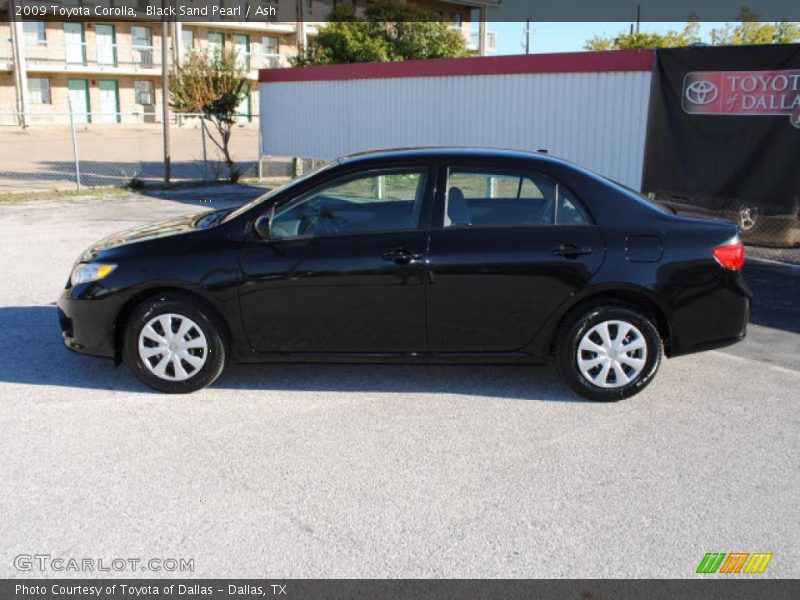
point(274, 191)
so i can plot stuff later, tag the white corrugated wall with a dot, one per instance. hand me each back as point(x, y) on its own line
point(594, 119)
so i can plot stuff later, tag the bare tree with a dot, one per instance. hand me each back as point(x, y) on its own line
point(211, 85)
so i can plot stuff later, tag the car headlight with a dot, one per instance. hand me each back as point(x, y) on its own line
point(86, 272)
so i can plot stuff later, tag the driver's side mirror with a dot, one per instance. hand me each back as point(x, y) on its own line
point(262, 226)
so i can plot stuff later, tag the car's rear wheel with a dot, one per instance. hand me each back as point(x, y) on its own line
point(608, 352)
point(175, 343)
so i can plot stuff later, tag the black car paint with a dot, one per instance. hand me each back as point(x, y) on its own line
point(434, 294)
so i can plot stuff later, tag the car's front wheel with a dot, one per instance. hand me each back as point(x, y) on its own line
point(174, 343)
point(608, 352)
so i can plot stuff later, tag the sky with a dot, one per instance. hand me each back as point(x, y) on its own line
point(570, 37)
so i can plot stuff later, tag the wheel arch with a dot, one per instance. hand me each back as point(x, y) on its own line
point(622, 295)
point(142, 295)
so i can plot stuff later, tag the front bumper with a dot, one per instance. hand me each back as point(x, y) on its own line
point(88, 323)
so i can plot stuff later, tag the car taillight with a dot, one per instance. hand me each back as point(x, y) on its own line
point(730, 256)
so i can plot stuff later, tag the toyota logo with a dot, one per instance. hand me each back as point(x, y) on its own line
point(701, 92)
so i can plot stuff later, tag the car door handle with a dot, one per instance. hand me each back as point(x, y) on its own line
point(401, 256)
point(571, 250)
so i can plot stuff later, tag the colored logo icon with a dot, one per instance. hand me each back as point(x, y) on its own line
point(734, 562)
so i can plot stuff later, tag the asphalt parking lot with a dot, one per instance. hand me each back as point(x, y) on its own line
point(384, 471)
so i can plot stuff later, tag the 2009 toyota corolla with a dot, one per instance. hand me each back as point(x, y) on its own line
point(418, 255)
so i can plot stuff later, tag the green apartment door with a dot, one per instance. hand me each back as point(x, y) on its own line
point(244, 110)
point(109, 100)
point(79, 100)
point(106, 42)
point(74, 44)
point(241, 43)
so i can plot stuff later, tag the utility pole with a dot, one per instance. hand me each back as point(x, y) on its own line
point(527, 36)
point(482, 31)
point(177, 43)
point(638, 16)
point(20, 66)
point(302, 36)
point(165, 93)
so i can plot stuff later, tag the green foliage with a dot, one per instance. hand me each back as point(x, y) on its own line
point(211, 84)
point(749, 30)
point(388, 31)
point(628, 41)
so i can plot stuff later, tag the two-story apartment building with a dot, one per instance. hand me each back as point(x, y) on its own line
point(110, 71)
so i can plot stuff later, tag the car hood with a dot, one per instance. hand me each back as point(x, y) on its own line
point(143, 233)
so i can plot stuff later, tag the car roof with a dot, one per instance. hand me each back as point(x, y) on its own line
point(454, 152)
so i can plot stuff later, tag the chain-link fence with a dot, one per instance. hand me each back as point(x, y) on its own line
point(65, 152)
point(773, 226)
point(783, 255)
point(766, 226)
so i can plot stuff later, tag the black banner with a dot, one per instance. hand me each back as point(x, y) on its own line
point(724, 134)
point(731, 588)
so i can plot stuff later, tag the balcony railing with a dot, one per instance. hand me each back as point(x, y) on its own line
point(272, 61)
point(257, 25)
point(253, 61)
point(79, 55)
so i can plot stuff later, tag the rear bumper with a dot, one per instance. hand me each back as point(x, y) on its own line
point(712, 320)
point(87, 325)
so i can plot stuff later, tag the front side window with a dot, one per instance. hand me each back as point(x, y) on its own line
point(486, 198)
point(378, 201)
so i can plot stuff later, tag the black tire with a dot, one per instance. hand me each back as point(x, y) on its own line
point(576, 326)
point(205, 319)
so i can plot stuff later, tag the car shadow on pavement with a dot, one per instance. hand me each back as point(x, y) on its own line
point(776, 289)
point(491, 381)
point(33, 354)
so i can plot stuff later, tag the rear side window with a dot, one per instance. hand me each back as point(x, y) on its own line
point(487, 198)
point(569, 211)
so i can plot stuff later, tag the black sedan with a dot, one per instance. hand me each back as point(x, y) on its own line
point(417, 255)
